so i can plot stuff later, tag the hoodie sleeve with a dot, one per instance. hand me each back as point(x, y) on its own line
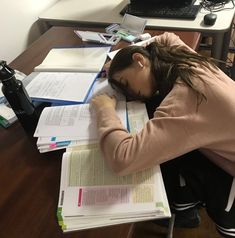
point(171, 39)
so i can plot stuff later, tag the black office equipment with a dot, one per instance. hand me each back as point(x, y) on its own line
point(209, 19)
point(163, 9)
point(18, 98)
point(218, 1)
point(214, 5)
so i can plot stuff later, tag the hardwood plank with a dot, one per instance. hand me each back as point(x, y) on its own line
point(150, 230)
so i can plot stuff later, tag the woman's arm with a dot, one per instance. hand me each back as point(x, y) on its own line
point(160, 139)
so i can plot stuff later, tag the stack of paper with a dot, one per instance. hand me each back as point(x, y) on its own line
point(60, 127)
point(92, 196)
point(66, 126)
point(67, 75)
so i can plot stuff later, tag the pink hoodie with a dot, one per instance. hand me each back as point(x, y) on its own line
point(178, 126)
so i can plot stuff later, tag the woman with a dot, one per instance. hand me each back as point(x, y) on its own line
point(191, 134)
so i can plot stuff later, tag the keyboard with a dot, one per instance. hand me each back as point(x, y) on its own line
point(182, 12)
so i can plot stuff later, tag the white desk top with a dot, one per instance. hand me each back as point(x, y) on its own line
point(107, 12)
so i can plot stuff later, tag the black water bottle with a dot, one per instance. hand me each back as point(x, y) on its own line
point(18, 98)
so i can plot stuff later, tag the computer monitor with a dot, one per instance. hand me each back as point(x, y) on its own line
point(175, 9)
point(162, 2)
point(218, 1)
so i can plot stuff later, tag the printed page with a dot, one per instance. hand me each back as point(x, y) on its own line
point(102, 85)
point(60, 86)
point(137, 116)
point(82, 59)
point(93, 189)
point(73, 120)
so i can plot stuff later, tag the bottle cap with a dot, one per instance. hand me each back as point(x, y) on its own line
point(5, 71)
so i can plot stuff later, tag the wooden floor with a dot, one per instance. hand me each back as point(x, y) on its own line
point(151, 230)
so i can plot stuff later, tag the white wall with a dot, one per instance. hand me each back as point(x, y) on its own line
point(19, 25)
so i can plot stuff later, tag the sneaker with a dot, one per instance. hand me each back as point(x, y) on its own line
point(183, 219)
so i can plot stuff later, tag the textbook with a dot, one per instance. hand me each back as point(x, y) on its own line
point(91, 195)
point(67, 75)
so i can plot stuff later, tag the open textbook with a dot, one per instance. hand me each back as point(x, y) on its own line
point(66, 75)
point(91, 195)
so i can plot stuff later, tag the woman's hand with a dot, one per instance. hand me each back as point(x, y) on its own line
point(103, 100)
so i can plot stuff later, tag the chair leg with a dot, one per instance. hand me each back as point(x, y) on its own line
point(233, 69)
point(171, 226)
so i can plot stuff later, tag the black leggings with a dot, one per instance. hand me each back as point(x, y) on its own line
point(192, 179)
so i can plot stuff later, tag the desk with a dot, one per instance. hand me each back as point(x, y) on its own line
point(29, 180)
point(103, 12)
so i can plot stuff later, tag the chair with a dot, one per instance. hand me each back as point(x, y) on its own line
point(170, 228)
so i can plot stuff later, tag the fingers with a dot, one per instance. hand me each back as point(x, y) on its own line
point(104, 95)
point(104, 100)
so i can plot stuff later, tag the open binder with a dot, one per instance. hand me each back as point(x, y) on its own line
point(67, 75)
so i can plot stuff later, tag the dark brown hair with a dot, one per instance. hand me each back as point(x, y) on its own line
point(167, 64)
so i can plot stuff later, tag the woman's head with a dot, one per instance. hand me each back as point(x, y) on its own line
point(130, 71)
point(140, 72)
